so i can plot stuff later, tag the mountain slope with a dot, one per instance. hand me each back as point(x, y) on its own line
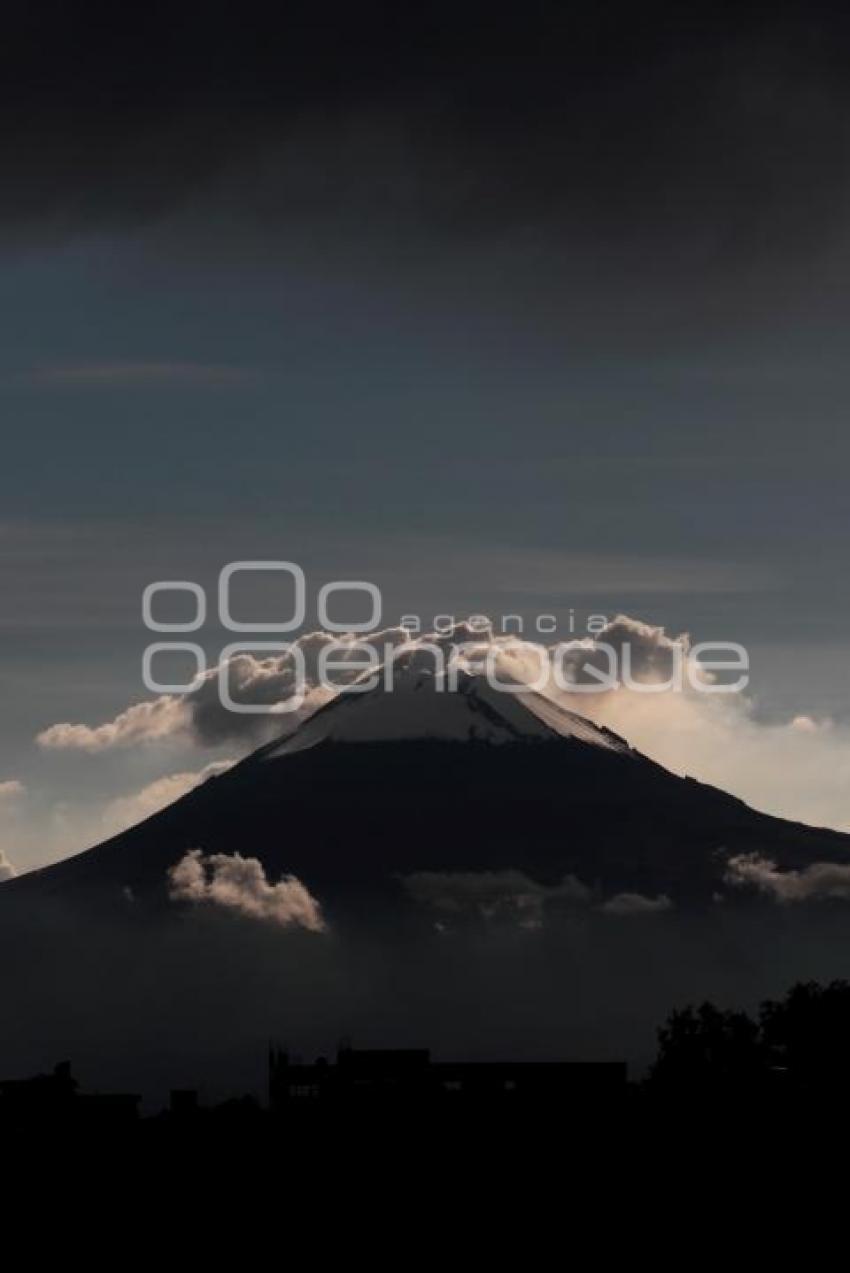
point(382, 785)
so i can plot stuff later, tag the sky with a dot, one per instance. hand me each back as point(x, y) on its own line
point(527, 312)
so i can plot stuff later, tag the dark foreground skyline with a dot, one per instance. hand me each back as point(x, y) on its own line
point(791, 1057)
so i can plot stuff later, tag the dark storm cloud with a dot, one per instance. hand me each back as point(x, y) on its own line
point(700, 120)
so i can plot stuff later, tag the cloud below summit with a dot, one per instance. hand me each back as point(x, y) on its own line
point(817, 882)
point(239, 884)
point(513, 897)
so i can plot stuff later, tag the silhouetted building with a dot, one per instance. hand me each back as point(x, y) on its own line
point(410, 1076)
point(50, 1095)
point(183, 1102)
point(55, 1098)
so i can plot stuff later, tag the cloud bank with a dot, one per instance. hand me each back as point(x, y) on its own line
point(799, 769)
point(270, 683)
point(491, 894)
point(514, 897)
point(240, 884)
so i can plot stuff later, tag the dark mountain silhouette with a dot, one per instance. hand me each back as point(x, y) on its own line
point(379, 786)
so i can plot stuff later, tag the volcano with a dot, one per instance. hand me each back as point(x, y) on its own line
point(384, 785)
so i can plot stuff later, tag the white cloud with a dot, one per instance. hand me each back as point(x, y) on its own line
point(240, 884)
point(814, 883)
point(126, 811)
point(151, 721)
point(200, 716)
point(10, 789)
point(7, 868)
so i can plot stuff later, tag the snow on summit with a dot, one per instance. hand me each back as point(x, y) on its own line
point(419, 706)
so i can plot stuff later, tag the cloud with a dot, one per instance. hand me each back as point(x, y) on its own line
point(151, 721)
point(651, 655)
point(798, 769)
point(636, 651)
point(269, 683)
point(817, 882)
point(513, 896)
point(240, 884)
point(126, 811)
point(10, 790)
point(492, 894)
point(265, 683)
point(793, 770)
point(806, 724)
point(636, 904)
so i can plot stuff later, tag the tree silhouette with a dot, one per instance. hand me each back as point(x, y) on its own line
point(800, 1043)
point(807, 1034)
point(709, 1048)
